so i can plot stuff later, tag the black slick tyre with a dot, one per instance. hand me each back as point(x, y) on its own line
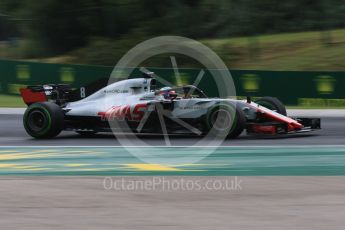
point(225, 121)
point(272, 103)
point(43, 120)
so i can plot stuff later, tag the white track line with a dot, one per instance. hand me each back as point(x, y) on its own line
point(239, 146)
point(12, 111)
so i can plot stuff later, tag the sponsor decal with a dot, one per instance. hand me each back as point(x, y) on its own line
point(196, 107)
point(124, 112)
point(325, 84)
point(115, 91)
point(23, 72)
point(67, 75)
point(250, 83)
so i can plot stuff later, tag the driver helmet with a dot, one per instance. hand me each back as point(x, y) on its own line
point(165, 92)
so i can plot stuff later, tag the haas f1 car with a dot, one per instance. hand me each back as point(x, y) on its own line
point(134, 105)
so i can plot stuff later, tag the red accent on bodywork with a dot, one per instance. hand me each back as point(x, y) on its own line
point(291, 123)
point(268, 129)
point(122, 112)
point(138, 111)
point(102, 115)
point(30, 97)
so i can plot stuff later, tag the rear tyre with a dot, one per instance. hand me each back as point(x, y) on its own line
point(43, 120)
point(272, 103)
point(225, 121)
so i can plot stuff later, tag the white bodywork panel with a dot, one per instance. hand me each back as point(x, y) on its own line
point(127, 92)
point(135, 95)
point(132, 92)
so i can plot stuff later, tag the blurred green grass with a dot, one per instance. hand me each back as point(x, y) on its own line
point(289, 51)
point(11, 101)
point(303, 51)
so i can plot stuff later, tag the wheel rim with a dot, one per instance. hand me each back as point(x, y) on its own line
point(37, 121)
point(221, 120)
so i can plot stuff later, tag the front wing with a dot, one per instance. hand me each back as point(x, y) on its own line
point(273, 128)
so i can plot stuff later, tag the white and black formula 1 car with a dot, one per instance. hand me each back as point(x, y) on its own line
point(134, 105)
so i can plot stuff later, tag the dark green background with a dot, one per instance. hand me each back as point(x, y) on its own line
point(289, 86)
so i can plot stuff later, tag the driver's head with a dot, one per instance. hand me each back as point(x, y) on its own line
point(165, 92)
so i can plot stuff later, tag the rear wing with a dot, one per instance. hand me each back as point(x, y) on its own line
point(61, 93)
point(30, 96)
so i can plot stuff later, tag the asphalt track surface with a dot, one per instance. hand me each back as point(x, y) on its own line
point(12, 133)
point(267, 203)
point(309, 154)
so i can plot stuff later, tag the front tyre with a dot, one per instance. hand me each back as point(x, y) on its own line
point(272, 103)
point(43, 120)
point(225, 120)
